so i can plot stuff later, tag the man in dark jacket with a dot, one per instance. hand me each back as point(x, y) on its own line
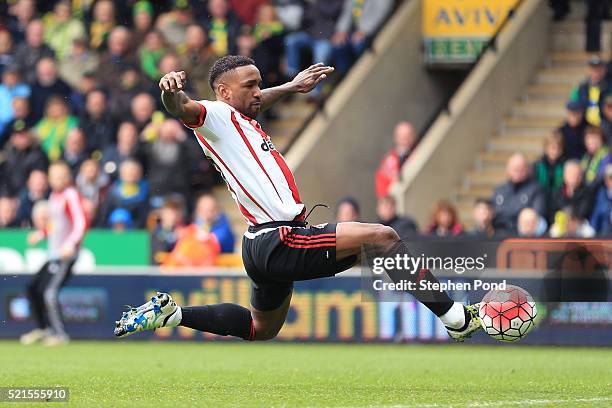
point(97, 123)
point(31, 51)
point(168, 162)
point(386, 210)
point(47, 84)
point(591, 93)
point(573, 131)
point(518, 192)
point(20, 157)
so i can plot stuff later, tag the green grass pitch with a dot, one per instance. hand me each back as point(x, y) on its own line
point(131, 373)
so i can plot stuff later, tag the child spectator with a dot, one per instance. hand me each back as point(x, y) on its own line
point(444, 221)
point(120, 220)
point(53, 128)
point(530, 224)
point(597, 155)
point(483, 214)
point(347, 210)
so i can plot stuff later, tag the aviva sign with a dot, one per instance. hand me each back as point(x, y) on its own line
point(455, 31)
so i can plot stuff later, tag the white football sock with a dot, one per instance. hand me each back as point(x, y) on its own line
point(455, 317)
point(176, 318)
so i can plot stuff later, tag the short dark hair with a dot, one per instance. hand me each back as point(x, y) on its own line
point(225, 64)
point(484, 201)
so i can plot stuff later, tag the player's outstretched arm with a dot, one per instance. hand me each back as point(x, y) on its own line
point(303, 82)
point(176, 101)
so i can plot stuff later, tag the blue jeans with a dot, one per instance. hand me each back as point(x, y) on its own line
point(346, 54)
point(295, 42)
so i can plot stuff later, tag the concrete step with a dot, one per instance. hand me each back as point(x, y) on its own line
point(570, 36)
point(485, 177)
point(543, 91)
point(499, 158)
point(574, 58)
point(570, 76)
point(514, 144)
point(540, 109)
point(529, 124)
point(473, 193)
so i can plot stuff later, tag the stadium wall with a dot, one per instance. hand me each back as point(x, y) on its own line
point(323, 310)
point(339, 151)
point(449, 147)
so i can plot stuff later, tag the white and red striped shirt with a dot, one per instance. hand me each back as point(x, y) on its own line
point(67, 221)
point(256, 174)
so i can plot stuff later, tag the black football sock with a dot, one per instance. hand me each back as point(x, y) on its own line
point(225, 319)
point(437, 301)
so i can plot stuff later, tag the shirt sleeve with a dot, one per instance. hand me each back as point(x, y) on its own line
point(201, 117)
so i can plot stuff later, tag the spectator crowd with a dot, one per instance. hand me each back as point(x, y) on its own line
point(79, 84)
point(565, 193)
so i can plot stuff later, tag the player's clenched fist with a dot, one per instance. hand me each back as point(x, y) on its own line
point(173, 81)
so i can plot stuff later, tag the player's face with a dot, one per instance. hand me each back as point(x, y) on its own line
point(245, 94)
point(59, 177)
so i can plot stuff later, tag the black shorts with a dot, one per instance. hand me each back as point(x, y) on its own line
point(276, 254)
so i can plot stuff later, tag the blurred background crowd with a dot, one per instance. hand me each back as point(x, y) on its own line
point(566, 193)
point(79, 84)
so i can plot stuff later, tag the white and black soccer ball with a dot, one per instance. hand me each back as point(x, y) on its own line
point(507, 315)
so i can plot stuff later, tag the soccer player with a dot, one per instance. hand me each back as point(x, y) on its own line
point(279, 247)
point(64, 231)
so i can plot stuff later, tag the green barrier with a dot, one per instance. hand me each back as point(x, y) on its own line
point(100, 248)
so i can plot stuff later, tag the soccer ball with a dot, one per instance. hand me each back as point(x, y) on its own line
point(507, 315)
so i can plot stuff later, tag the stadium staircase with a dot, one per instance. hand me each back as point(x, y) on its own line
point(540, 109)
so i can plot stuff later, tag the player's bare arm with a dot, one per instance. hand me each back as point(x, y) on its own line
point(174, 98)
point(303, 82)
